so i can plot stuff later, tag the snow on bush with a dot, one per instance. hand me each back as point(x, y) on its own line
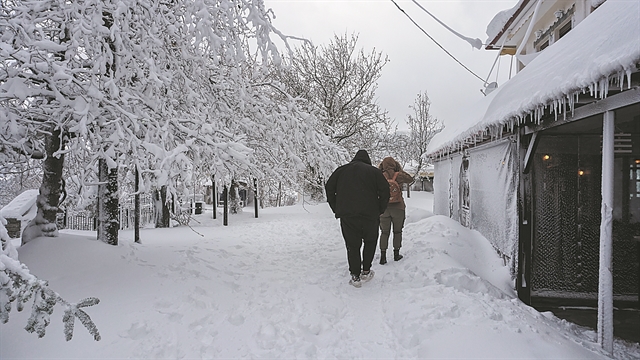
point(19, 286)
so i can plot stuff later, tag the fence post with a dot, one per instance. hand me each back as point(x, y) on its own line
point(225, 211)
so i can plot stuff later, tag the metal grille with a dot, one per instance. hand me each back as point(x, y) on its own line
point(555, 252)
point(567, 192)
point(625, 257)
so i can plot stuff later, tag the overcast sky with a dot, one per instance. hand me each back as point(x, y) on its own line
point(416, 62)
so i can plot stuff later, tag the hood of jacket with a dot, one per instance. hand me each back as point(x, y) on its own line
point(363, 156)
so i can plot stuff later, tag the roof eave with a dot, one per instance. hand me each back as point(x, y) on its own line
point(492, 45)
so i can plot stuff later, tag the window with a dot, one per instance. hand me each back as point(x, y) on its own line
point(544, 45)
point(564, 29)
point(562, 25)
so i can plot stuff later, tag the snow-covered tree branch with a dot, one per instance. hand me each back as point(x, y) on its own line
point(162, 87)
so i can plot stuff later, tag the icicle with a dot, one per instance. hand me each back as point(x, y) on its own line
point(533, 117)
point(537, 113)
point(604, 88)
point(628, 78)
point(620, 80)
point(562, 105)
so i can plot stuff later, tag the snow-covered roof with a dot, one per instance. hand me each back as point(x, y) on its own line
point(605, 46)
point(498, 23)
point(21, 206)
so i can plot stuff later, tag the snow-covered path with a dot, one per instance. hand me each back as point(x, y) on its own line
point(277, 287)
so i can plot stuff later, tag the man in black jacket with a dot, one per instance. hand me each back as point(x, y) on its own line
point(358, 193)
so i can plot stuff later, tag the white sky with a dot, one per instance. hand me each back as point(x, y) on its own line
point(417, 63)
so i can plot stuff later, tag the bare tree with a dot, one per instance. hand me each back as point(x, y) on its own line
point(423, 127)
point(339, 82)
point(400, 147)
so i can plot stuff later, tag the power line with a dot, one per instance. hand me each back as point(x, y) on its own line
point(476, 43)
point(434, 40)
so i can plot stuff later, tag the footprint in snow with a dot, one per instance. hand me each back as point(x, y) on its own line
point(138, 330)
point(236, 320)
point(465, 280)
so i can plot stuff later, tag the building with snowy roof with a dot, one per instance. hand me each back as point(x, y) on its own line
point(536, 162)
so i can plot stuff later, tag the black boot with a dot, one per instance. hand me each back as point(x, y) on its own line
point(396, 255)
point(383, 257)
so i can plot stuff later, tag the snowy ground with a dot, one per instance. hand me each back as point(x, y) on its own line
point(277, 287)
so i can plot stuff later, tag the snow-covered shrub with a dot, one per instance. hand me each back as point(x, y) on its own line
point(19, 286)
point(181, 216)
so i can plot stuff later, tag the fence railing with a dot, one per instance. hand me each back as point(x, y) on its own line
point(127, 220)
point(85, 220)
point(76, 221)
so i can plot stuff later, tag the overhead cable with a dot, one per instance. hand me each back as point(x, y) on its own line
point(434, 40)
point(476, 43)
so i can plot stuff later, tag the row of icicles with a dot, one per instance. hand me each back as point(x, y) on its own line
point(599, 89)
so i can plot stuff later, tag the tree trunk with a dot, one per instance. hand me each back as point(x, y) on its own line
point(234, 199)
point(225, 211)
point(136, 216)
point(279, 198)
point(161, 208)
point(214, 196)
point(44, 224)
point(108, 204)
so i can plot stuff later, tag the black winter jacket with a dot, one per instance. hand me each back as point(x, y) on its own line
point(358, 189)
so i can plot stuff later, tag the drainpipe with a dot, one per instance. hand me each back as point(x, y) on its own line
point(605, 278)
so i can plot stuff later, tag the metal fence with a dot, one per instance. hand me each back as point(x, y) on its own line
point(86, 220)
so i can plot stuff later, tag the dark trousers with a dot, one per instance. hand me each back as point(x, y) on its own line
point(356, 231)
